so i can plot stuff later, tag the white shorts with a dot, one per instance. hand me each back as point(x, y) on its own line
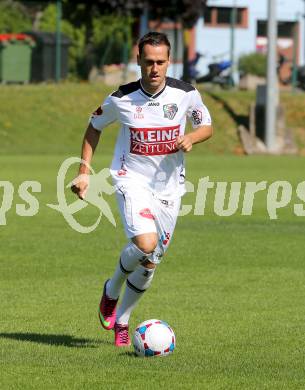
point(143, 212)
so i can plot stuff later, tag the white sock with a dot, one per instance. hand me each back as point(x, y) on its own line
point(131, 257)
point(136, 284)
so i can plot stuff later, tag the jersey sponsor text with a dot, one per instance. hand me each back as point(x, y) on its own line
point(154, 141)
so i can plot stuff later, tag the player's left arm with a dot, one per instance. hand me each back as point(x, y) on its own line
point(200, 134)
point(201, 121)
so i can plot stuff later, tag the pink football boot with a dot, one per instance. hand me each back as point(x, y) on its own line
point(121, 336)
point(107, 310)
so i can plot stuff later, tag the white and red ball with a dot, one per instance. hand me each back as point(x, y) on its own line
point(154, 338)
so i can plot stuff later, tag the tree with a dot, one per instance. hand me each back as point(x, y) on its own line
point(186, 12)
point(89, 20)
point(103, 22)
point(13, 17)
point(76, 34)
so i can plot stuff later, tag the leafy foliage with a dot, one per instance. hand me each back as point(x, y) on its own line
point(106, 37)
point(13, 17)
point(76, 35)
point(101, 30)
point(188, 11)
point(110, 35)
point(254, 63)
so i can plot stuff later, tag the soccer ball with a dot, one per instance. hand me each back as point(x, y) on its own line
point(154, 338)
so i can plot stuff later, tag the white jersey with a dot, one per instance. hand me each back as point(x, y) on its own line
point(145, 151)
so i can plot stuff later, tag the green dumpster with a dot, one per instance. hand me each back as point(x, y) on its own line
point(15, 57)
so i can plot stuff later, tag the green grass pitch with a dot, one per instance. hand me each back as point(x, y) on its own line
point(232, 288)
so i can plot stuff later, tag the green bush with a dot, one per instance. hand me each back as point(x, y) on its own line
point(112, 39)
point(254, 63)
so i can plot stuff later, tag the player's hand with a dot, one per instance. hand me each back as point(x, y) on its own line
point(80, 185)
point(184, 142)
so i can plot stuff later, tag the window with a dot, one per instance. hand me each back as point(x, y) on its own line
point(284, 29)
point(222, 16)
point(261, 28)
point(208, 15)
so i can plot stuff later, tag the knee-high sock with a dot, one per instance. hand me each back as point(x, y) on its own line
point(130, 258)
point(137, 283)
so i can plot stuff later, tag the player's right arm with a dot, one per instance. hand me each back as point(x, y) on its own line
point(90, 141)
point(102, 117)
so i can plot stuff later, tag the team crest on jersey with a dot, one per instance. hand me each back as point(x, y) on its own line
point(170, 110)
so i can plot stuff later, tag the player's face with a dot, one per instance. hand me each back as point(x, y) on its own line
point(154, 62)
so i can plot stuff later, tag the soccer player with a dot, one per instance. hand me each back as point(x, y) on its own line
point(147, 171)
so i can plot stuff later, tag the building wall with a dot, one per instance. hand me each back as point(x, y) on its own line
point(214, 42)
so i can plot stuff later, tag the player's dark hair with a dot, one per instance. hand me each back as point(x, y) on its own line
point(155, 39)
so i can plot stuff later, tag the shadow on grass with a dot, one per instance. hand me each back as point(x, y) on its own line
point(238, 119)
point(55, 339)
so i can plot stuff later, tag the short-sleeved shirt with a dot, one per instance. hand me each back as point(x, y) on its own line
point(145, 151)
